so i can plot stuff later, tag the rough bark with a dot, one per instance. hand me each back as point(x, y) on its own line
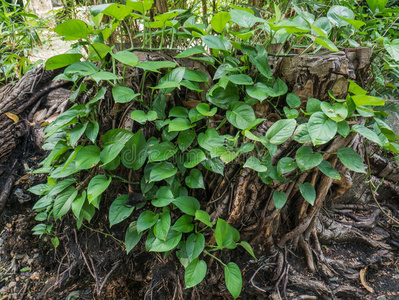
point(23, 100)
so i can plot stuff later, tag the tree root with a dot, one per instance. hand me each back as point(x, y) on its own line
point(5, 193)
point(328, 230)
point(303, 282)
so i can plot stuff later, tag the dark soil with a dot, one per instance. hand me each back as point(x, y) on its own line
point(32, 269)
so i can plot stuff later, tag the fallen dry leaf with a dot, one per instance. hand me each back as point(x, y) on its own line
point(363, 280)
point(13, 117)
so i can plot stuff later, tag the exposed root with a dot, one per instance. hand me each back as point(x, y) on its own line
point(240, 196)
point(303, 282)
point(5, 193)
point(329, 230)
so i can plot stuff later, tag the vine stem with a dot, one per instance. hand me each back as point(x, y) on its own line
point(105, 234)
point(213, 256)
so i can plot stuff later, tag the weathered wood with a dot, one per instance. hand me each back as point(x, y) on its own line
point(313, 75)
point(17, 100)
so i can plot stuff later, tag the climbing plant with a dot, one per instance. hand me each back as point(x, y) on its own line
point(190, 141)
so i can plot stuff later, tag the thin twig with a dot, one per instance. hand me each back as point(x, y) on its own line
point(253, 276)
point(106, 277)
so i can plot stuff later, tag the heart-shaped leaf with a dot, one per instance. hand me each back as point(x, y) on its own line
point(305, 158)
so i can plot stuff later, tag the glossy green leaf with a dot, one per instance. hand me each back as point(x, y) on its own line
point(241, 115)
point(313, 105)
point(195, 180)
point(154, 66)
point(193, 158)
point(180, 124)
point(204, 217)
point(188, 205)
point(219, 21)
point(97, 77)
point(72, 30)
point(185, 139)
point(323, 41)
point(279, 199)
point(321, 128)
point(322, 26)
point(195, 244)
point(367, 133)
point(164, 197)
point(118, 211)
point(133, 154)
point(241, 79)
point(233, 278)
point(132, 237)
point(78, 203)
point(142, 117)
point(162, 151)
point(126, 57)
point(224, 235)
point(367, 100)
point(336, 112)
point(97, 185)
point(280, 131)
point(110, 152)
point(146, 220)
point(195, 76)
point(215, 42)
point(98, 51)
point(248, 247)
point(123, 94)
point(221, 97)
point(210, 139)
point(343, 128)
point(305, 158)
point(308, 192)
point(162, 171)
point(377, 4)
point(195, 273)
point(184, 224)
point(285, 165)
point(63, 202)
point(170, 242)
point(161, 228)
point(115, 10)
point(293, 100)
point(81, 68)
point(326, 168)
point(258, 91)
point(355, 23)
point(290, 113)
point(191, 51)
point(228, 156)
point(262, 64)
point(215, 165)
point(61, 186)
point(392, 47)
point(141, 6)
point(205, 110)
point(337, 10)
point(62, 60)
point(351, 159)
point(40, 189)
point(243, 18)
point(254, 164)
